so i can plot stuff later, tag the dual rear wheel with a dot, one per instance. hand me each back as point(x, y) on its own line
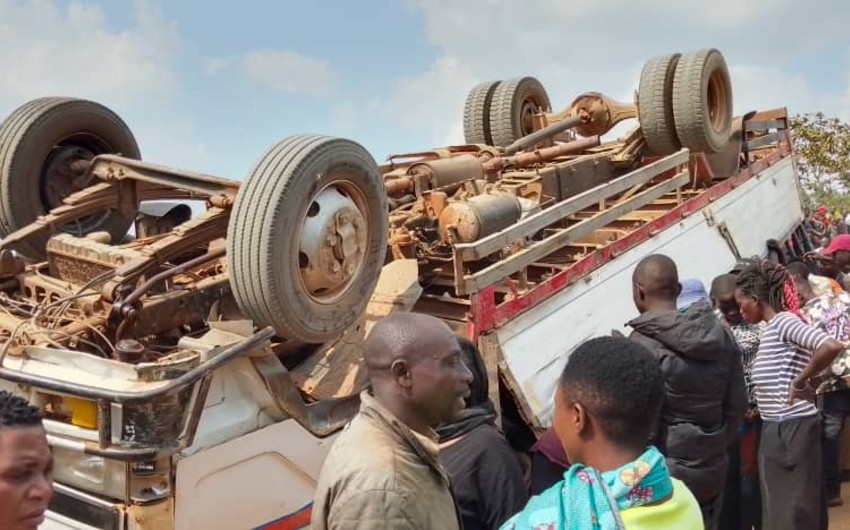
point(686, 101)
point(683, 101)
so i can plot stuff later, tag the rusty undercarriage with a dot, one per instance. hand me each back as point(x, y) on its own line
point(299, 246)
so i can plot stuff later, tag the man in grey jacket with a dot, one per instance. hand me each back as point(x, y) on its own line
point(384, 469)
point(704, 381)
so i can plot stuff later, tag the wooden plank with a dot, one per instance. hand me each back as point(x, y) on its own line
point(766, 125)
point(774, 114)
point(534, 223)
point(474, 282)
point(763, 141)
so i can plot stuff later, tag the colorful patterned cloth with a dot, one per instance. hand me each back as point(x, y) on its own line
point(830, 313)
point(747, 337)
point(589, 500)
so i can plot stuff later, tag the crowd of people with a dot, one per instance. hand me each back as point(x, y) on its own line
point(722, 409)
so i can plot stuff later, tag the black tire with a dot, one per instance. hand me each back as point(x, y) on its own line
point(30, 140)
point(512, 101)
point(655, 105)
point(702, 101)
point(476, 114)
point(264, 243)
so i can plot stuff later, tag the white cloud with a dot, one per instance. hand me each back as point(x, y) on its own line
point(432, 101)
point(216, 65)
point(765, 87)
point(344, 119)
point(280, 70)
point(48, 50)
point(722, 14)
point(54, 49)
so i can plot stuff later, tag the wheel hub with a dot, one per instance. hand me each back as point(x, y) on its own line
point(528, 111)
point(332, 244)
point(61, 178)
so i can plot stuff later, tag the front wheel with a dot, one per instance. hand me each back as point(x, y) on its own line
point(39, 143)
point(307, 237)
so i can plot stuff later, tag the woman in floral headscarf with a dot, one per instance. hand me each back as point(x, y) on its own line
point(607, 403)
point(829, 312)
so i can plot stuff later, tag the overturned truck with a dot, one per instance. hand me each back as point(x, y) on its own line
point(175, 356)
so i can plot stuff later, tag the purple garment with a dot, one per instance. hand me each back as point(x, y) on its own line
point(550, 446)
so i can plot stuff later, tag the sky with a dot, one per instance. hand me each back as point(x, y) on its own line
point(210, 85)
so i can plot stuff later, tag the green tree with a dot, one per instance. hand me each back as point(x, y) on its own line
point(822, 146)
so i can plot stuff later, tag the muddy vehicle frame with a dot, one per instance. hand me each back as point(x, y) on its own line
point(120, 338)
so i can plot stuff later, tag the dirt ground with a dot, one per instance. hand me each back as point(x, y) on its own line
point(839, 518)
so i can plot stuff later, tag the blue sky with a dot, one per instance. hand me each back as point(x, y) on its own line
point(210, 85)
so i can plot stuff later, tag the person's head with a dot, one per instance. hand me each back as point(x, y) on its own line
point(825, 265)
point(800, 273)
point(609, 395)
point(479, 388)
point(655, 283)
point(839, 249)
point(26, 465)
point(723, 298)
point(416, 369)
point(692, 292)
point(763, 289)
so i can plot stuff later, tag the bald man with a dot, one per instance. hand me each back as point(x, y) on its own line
point(704, 381)
point(384, 470)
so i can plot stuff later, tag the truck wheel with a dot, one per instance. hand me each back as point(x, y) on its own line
point(514, 103)
point(702, 101)
point(655, 105)
point(38, 143)
point(476, 114)
point(307, 237)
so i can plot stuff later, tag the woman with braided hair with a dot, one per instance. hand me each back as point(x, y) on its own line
point(791, 353)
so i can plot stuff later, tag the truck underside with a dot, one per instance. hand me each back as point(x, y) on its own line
point(196, 352)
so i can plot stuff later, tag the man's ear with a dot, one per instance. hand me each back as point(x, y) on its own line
point(400, 370)
point(640, 292)
point(678, 289)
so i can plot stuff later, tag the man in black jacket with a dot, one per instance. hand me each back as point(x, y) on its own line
point(704, 381)
point(487, 478)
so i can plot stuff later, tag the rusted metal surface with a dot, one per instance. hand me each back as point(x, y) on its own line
point(321, 418)
point(192, 234)
point(155, 515)
point(484, 230)
point(479, 216)
point(540, 156)
point(10, 264)
point(486, 314)
point(596, 113)
point(157, 419)
point(336, 370)
point(113, 168)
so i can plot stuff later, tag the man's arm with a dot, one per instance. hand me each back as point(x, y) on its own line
point(658, 434)
point(370, 509)
point(500, 482)
point(735, 399)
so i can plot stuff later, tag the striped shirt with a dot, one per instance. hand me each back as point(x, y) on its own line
point(784, 351)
